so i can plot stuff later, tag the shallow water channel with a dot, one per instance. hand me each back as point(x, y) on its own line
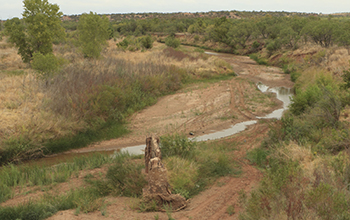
point(283, 94)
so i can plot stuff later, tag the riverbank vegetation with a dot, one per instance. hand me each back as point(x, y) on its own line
point(305, 157)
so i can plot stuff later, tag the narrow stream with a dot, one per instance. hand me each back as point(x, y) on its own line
point(283, 94)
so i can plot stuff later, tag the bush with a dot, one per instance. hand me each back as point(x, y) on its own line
point(147, 42)
point(177, 145)
point(123, 44)
point(46, 64)
point(183, 175)
point(171, 41)
point(126, 179)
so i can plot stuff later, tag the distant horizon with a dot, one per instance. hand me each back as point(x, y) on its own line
point(14, 8)
point(125, 13)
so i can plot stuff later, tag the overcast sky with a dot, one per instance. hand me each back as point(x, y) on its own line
point(14, 8)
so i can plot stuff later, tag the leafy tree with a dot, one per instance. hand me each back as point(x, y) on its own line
point(241, 32)
point(198, 27)
point(322, 32)
point(343, 34)
point(289, 37)
point(15, 29)
point(220, 30)
point(93, 34)
point(41, 26)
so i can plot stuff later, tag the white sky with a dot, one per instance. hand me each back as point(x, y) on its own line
point(14, 8)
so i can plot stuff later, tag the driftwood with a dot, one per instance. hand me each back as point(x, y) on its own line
point(158, 188)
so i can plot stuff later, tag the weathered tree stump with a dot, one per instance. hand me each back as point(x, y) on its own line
point(158, 188)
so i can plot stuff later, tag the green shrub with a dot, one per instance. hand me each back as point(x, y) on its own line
point(177, 145)
point(305, 99)
point(123, 44)
point(46, 64)
point(171, 41)
point(147, 42)
point(126, 179)
point(183, 175)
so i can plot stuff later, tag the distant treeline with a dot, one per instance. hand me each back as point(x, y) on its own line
point(273, 30)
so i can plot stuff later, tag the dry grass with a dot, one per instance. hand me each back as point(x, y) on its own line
point(9, 59)
point(23, 113)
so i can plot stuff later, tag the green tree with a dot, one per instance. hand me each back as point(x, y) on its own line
point(241, 32)
point(198, 27)
point(93, 34)
point(343, 34)
point(15, 29)
point(41, 25)
point(322, 32)
point(220, 30)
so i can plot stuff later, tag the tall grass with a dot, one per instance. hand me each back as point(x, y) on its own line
point(110, 89)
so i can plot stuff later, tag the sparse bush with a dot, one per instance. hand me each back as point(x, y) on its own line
point(230, 210)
